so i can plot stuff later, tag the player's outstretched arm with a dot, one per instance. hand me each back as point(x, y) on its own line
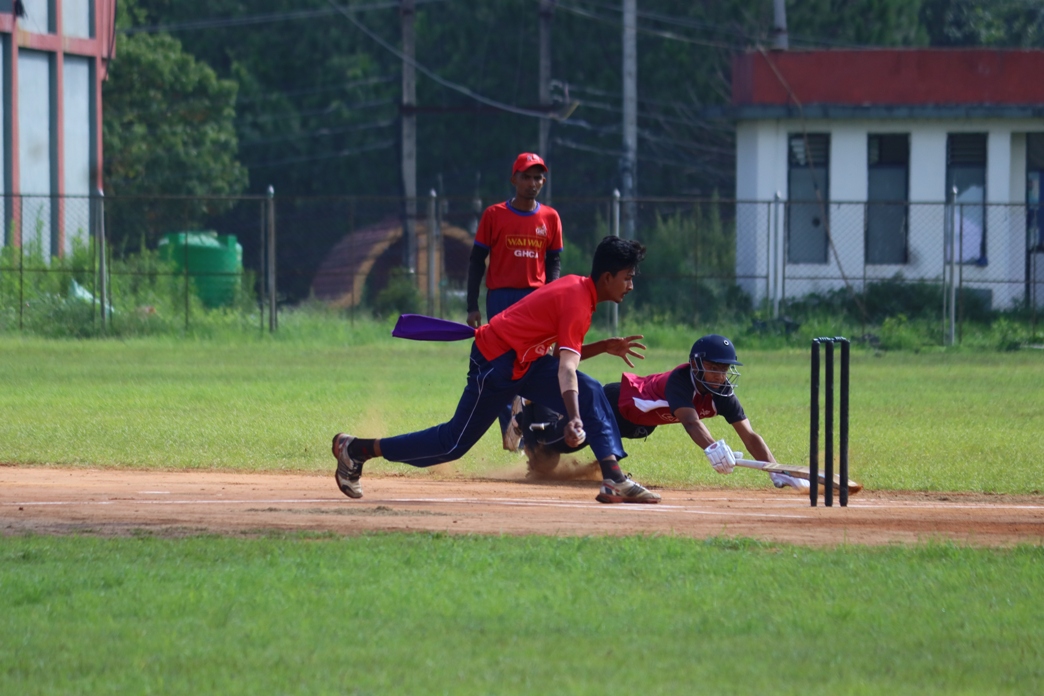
point(699, 433)
point(754, 443)
point(568, 361)
point(624, 348)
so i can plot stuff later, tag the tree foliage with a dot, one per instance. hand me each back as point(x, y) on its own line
point(168, 122)
point(317, 106)
point(168, 130)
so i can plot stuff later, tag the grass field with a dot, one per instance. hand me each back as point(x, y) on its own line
point(423, 613)
point(478, 615)
point(933, 422)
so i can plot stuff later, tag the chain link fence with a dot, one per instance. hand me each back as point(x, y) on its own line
point(83, 266)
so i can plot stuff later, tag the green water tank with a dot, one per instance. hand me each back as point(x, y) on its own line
point(214, 261)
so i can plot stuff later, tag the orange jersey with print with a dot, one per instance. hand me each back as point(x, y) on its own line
point(556, 313)
point(518, 241)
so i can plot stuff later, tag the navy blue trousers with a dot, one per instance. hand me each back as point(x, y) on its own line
point(488, 390)
point(496, 302)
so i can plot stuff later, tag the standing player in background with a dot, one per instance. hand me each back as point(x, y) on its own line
point(514, 354)
point(523, 240)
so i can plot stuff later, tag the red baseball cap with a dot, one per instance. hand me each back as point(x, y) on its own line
point(527, 160)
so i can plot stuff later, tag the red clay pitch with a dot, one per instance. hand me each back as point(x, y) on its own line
point(111, 502)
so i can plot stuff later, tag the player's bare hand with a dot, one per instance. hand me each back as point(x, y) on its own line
point(574, 433)
point(474, 319)
point(625, 348)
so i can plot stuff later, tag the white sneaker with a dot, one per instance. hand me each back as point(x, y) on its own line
point(513, 435)
point(348, 470)
point(780, 480)
point(627, 491)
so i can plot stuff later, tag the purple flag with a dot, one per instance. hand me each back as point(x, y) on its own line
point(418, 327)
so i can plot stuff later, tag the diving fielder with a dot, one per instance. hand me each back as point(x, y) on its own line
point(514, 355)
point(702, 388)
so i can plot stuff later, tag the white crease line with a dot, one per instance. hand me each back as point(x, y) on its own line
point(653, 508)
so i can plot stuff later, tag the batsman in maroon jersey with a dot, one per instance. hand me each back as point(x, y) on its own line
point(690, 393)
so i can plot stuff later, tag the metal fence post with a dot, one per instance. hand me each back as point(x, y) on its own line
point(958, 292)
point(781, 253)
point(273, 317)
point(614, 310)
point(432, 202)
point(262, 279)
point(21, 276)
point(103, 266)
point(776, 255)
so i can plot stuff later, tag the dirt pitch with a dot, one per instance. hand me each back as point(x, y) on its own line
point(118, 502)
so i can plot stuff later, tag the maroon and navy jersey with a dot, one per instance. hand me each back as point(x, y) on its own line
point(559, 312)
point(518, 242)
point(653, 399)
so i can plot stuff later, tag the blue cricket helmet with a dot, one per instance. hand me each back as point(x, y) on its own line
point(716, 349)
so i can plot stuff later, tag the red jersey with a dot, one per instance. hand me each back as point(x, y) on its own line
point(518, 241)
point(556, 313)
point(653, 399)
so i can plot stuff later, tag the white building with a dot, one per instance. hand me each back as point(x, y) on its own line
point(876, 157)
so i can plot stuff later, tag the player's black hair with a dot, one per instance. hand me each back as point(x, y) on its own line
point(614, 255)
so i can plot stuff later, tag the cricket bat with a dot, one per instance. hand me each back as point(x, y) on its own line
point(801, 472)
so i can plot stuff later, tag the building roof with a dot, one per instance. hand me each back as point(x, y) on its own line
point(888, 83)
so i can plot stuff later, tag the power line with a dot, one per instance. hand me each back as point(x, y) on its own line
point(221, 22)
point(569, 144)
point(347, 12)
point(654, 32)
point(696, 24)
point(316, 90)
point(349, 152)
point(320, 133)
point(326, 110)
point(675, 20)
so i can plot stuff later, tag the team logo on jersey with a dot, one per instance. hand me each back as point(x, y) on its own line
point(541, 231)
point(523, 242)
point(706, 411)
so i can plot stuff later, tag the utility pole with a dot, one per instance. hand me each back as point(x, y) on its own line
point(780, 41)
point(547, 10)
point(629, 161)
point(408, 116)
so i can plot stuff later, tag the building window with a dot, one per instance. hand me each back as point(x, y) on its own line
point(966, 191)
point(38, 18)
point(76, 18)
point(887, 195)
point(808, 194)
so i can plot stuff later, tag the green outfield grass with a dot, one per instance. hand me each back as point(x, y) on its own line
point(478, 615)
point(939, 421)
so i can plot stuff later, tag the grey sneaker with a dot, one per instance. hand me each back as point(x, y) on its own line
point(348, 470)
point(627, 491)
point(513, 434)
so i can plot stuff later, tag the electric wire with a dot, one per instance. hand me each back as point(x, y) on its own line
point(347, 12)
point(222, 22)
point(348, 152)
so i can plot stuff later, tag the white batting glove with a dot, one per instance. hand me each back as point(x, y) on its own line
point(721, 457)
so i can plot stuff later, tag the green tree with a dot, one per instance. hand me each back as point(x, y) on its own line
point(1002, 23)
point(168, 129)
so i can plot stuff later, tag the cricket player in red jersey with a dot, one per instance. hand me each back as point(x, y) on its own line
point(523, 240)
point(513, 355)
